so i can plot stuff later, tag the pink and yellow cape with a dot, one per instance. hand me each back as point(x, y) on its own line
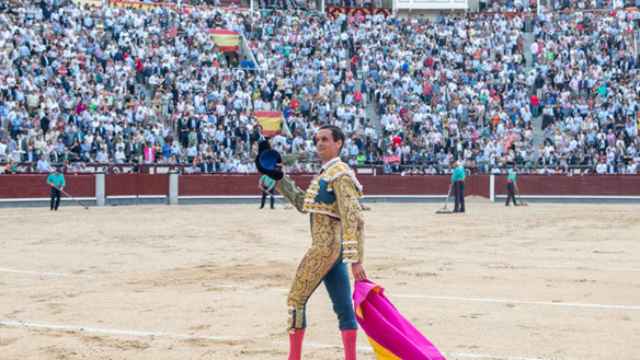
point(391, 335)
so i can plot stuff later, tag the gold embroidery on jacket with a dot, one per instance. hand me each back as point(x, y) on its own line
point(335, 226)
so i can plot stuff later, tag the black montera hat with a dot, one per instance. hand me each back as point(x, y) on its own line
point(268, 161)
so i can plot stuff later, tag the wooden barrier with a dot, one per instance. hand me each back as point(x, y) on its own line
point(35, 186)
point(578, 186)
point(25, 186)
point(137, 184)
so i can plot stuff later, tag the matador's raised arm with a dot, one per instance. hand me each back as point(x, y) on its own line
point(288, 188)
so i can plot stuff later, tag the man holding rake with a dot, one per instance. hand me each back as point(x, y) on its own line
point(56, 181)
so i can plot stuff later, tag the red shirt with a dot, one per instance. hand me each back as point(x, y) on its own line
point(357, 96)
point(139, 66)
point(427, 88)
point(534, 100)
point(294, 104)
point(428, 62)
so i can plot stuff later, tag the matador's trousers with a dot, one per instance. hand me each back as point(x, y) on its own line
point(322, 263)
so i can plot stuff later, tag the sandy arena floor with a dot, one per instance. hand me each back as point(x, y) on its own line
point(553, 282)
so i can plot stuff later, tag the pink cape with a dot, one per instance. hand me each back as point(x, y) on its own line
point(391, 335)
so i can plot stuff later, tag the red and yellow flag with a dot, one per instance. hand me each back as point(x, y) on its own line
point(226, 40)
point(271, 122)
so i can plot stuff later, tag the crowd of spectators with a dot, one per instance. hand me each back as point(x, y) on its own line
point(117, 85)
point(553, 5)
point(587, 85)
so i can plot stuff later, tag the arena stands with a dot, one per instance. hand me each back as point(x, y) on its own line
point(153, 86)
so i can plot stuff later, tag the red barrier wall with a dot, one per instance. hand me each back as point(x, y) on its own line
point(612, 185)
point(136, 184)
point(477, 185)
point(219, 185)
point(35, 185)
point(212, 185)
point(404, 185)
point(83, 185)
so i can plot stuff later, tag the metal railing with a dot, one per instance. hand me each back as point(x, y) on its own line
point(308, 167)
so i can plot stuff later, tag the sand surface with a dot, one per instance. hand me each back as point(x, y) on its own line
point(553, 282)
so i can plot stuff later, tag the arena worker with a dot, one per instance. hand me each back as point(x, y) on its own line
point(56, 181)
point(512, 186)
point(267, 186)
point(457, 181)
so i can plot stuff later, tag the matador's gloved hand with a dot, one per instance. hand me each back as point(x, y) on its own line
point(269, 161)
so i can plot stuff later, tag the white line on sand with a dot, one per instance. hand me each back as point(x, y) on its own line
point(42, 273)
point(575, 267)
point(473, 299)
point(521, 267)
point(137, 333)
point(489, 357)
point(107, 331)
point(513, 267)
point(400, 296)
point(456, 355)
point(513, 301)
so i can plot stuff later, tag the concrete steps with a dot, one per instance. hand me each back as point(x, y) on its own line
point(528, 40)
point(536, 122)
point(370, 111)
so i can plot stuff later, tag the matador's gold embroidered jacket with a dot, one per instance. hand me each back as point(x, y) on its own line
point(332, 199)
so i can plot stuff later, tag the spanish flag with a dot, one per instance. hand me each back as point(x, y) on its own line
point(226, 40)
point(390, 334)
point(271, 122)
